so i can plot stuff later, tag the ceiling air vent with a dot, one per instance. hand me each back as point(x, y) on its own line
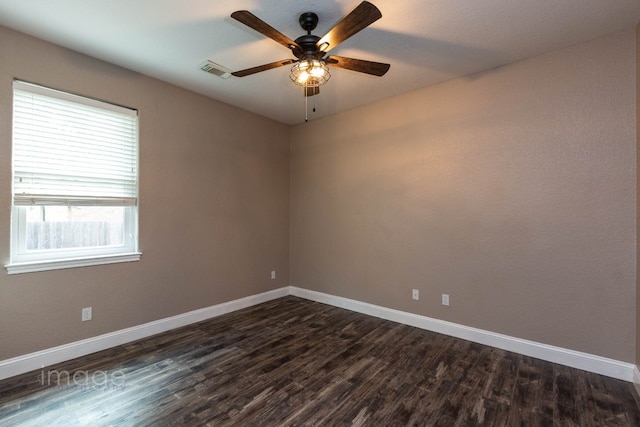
point(213, 68)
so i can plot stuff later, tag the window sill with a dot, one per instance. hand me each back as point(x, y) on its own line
point(30, 267)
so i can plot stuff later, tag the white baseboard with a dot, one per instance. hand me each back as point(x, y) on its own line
point(576, 359)
point(588, 362)
point(34, 361)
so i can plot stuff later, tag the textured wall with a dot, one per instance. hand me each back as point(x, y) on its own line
point(512, 190)
point(637, 197)
point(214, 206)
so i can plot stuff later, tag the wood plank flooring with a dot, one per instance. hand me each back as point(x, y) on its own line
point(292, 362)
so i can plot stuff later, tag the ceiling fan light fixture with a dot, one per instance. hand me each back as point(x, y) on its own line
point(310, 73)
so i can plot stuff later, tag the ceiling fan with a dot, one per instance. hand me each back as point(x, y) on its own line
point(310, 66)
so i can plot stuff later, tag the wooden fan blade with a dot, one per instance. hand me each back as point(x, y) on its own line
point(252, 21)
point(360, 18)
point(311, 90)
point(265, 67)
point(360, 65)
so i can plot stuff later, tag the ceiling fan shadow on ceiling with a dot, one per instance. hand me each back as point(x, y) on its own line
point(310, 66)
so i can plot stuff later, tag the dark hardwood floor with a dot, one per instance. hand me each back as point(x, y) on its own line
point(292, 362)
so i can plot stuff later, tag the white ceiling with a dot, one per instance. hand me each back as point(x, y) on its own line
point(425, 41)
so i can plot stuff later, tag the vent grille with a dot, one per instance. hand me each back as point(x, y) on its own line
point(215, 69)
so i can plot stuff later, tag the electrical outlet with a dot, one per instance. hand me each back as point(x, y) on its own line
point(415, 294)
point(445, 299)
point(273, 274)
point(87, 314)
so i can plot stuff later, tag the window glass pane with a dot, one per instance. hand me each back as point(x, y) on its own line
point(68, 227)
point(75, 180)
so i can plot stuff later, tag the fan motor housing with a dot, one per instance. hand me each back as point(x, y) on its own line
point(309, 45)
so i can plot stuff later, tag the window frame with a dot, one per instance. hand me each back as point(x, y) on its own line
point(24, 261)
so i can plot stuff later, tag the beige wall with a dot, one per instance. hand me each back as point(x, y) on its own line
point(214, 206)
point(512, 190)
point(637, 197)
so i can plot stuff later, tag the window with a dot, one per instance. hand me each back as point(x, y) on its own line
point(75, 181)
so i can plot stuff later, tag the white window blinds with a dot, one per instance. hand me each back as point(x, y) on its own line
point(70, 150)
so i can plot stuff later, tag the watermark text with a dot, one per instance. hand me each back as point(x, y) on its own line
point(83, 380)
